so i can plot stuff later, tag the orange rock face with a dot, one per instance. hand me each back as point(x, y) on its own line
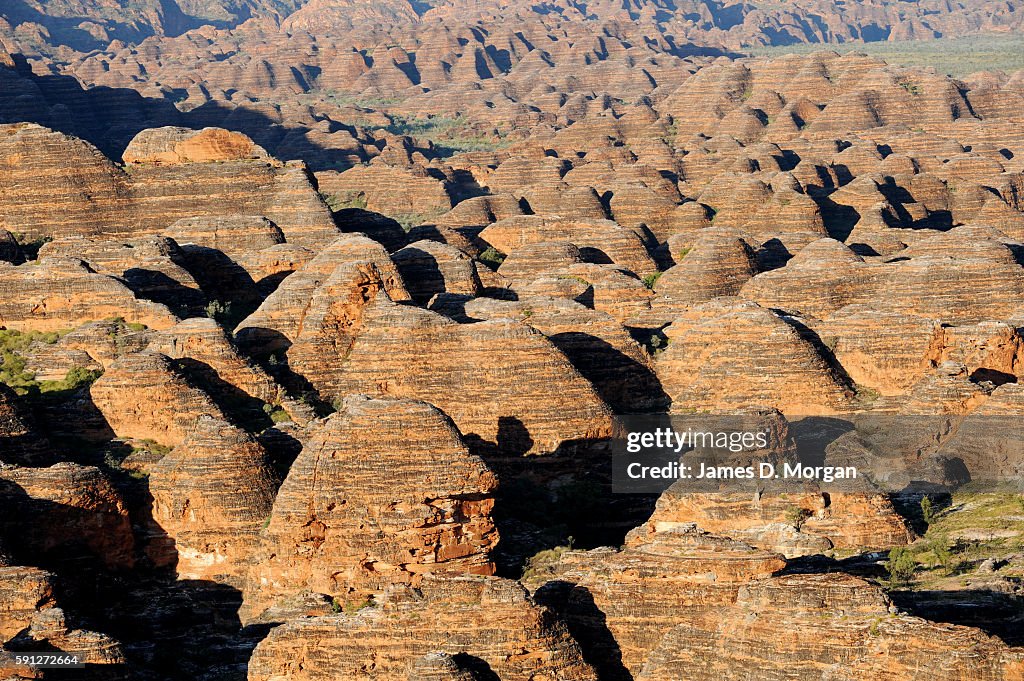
point(315, 314)
point(181, 145)
point(485, 618)
point(384, 492)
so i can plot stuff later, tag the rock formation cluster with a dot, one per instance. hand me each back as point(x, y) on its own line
point(316, 318)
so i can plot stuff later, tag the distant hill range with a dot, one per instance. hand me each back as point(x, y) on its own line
point(85, 25)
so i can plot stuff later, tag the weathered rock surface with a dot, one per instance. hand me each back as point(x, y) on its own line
point(211, 495)
point(59, 293)
point(62, 186)
point(836, 626)
point(205, 351)
point(384, 492)
point(508, 405)
point(491, 619)
point(144, 396)
point(172, 145)
point(20, 443)
point(596, 344)
point(429, 268)
point(731, 354)
point(281, 317)
point(236, 236)
point(826, 521)
point(75, 510)
point(600, 241)
point(153, 267)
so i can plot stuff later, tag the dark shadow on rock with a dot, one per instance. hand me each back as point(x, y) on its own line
point(997, 613)
point(513, 437)
point(772, 254)
point(382, 229)
point(222, 280)
point(479, 669)
point(239, 406)
point(839, 219)
point(588, 626)
point(160, 288)
point(421, 273)
point(628, 386)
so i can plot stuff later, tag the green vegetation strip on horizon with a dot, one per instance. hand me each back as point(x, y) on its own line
point(957, 57)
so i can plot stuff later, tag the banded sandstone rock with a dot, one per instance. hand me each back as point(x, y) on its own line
point(384, 492)
point(728, 354)
point(836, 520)
point(75, 510)
point(204, 349)
point(278, 320)
point(211, 494)
point(491, 619)
point(596, 344)
point(20, 443)
point(236, 236)
point(508, 404)
point(837, 627)
point(59, 293)
point(152, 267)
point(429, 268)
point(600, 241)
point(144, 396)
point(171, 145)
point(635, 596)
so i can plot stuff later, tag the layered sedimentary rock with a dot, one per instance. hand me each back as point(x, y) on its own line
point(211, 494)
point(596, 344)
point(459, 376)
point(836, 626)
point(76, 511)
point(607, 288)
point(204, 349)
point(170, 145)
point(489, 619)
point(23, 592)
point(790, 524)
point(143, 395)
point(62, 186)
point(637, 595)
point(152, 267)
point(236, 236)
point(718, 265)
point(388, 190)
point(20, 443)
point(729, 354)
point(58, 293)
point(600, 241)
point(396, 466)
point(537, 259)
point(281, 317)
point(429, 268)
point(57, 184)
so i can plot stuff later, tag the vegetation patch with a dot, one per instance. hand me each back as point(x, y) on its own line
point(955, 57)
point(492, 257)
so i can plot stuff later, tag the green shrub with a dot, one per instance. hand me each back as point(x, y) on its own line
point(276, 413)
point(651, 279)
point(30, 247)
point(218, 311)
point(338, 202)
point(927, 512)
point(542, 563)
point(797, 516)
point(901, 566)
point(492, 257)
point(75, 379)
